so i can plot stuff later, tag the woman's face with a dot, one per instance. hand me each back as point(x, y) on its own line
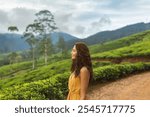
point(74, 52)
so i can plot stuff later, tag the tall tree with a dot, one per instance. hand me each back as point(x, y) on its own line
point(46, 25)
point(30, 37)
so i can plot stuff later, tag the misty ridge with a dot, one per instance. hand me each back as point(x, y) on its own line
point(13, 42)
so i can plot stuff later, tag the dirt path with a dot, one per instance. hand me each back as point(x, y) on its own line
point(136, 87)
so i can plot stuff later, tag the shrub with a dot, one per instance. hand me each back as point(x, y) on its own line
point(56, 87)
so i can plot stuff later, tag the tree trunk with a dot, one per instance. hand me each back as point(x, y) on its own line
point(33, 59)
point(46, 55)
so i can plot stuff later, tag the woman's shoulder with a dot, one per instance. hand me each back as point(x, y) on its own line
point(84, 69)
point(84, 72)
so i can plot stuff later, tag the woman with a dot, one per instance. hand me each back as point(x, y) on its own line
point(81, 72)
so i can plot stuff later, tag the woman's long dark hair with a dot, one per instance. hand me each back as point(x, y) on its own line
point(82, 59)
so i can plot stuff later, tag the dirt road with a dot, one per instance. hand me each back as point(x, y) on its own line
point(136, 87)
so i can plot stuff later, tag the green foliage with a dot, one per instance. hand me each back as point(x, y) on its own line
point(52, 88)
point(113, 72)
point(135, 50)
point(42, 72)
point(100, 64)
point(56, 87)
point(108, 49)
point(10, 69)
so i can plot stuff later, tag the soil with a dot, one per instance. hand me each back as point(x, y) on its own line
point(135, 87)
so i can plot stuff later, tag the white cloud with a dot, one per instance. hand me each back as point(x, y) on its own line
point(77, 17)
point(19, 17)
point(80, 29)
point(102, 22)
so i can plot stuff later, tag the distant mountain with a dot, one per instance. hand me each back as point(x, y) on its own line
point(114, 34)
point(14, 42)
point(67, 37)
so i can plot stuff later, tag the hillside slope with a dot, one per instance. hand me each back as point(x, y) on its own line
point(105, 36)
point(14, 42)
point(119, 43)
point(132, 46)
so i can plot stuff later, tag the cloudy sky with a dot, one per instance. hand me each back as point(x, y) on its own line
point(80, 18)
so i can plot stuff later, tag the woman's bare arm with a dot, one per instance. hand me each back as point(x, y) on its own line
point(84, 76)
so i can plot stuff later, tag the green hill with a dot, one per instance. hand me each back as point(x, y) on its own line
point(22, 73)
point(111, 35)
point(132, 46)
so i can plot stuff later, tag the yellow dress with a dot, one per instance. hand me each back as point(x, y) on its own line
point(74, 88)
